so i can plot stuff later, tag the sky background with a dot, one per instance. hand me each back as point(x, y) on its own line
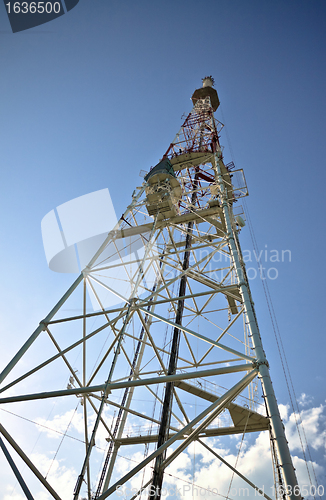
point(93, 97)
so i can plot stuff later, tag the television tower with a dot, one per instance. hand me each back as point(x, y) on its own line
point(174, 329)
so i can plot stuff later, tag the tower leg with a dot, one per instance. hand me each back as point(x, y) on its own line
point(290, 479)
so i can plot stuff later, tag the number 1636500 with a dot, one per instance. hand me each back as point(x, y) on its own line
point(33, 7)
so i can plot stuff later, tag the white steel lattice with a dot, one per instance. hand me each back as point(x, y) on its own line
point(117, 360)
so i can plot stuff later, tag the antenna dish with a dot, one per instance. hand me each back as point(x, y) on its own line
point(239, 220)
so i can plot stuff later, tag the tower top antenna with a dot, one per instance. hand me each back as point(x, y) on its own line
point(208, 81)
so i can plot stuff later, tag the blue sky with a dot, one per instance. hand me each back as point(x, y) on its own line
point(97, 95)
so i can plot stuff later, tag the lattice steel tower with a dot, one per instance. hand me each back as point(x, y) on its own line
point(174, 320)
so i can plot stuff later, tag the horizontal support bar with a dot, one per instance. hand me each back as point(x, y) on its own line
point(212, 291)
point(178, 219)
point(219, 431)
point(89, 315)
point(130, 383)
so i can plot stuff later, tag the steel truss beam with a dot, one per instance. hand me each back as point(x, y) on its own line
point(16, 471)
point(109, 387)
point(28, 462)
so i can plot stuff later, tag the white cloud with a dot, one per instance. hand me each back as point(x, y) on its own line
point(313, 422)
point(302, 471)
point(12, 495)
point(75, 421)
point(60, 423)
point(305, 400)
point(284, 411)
